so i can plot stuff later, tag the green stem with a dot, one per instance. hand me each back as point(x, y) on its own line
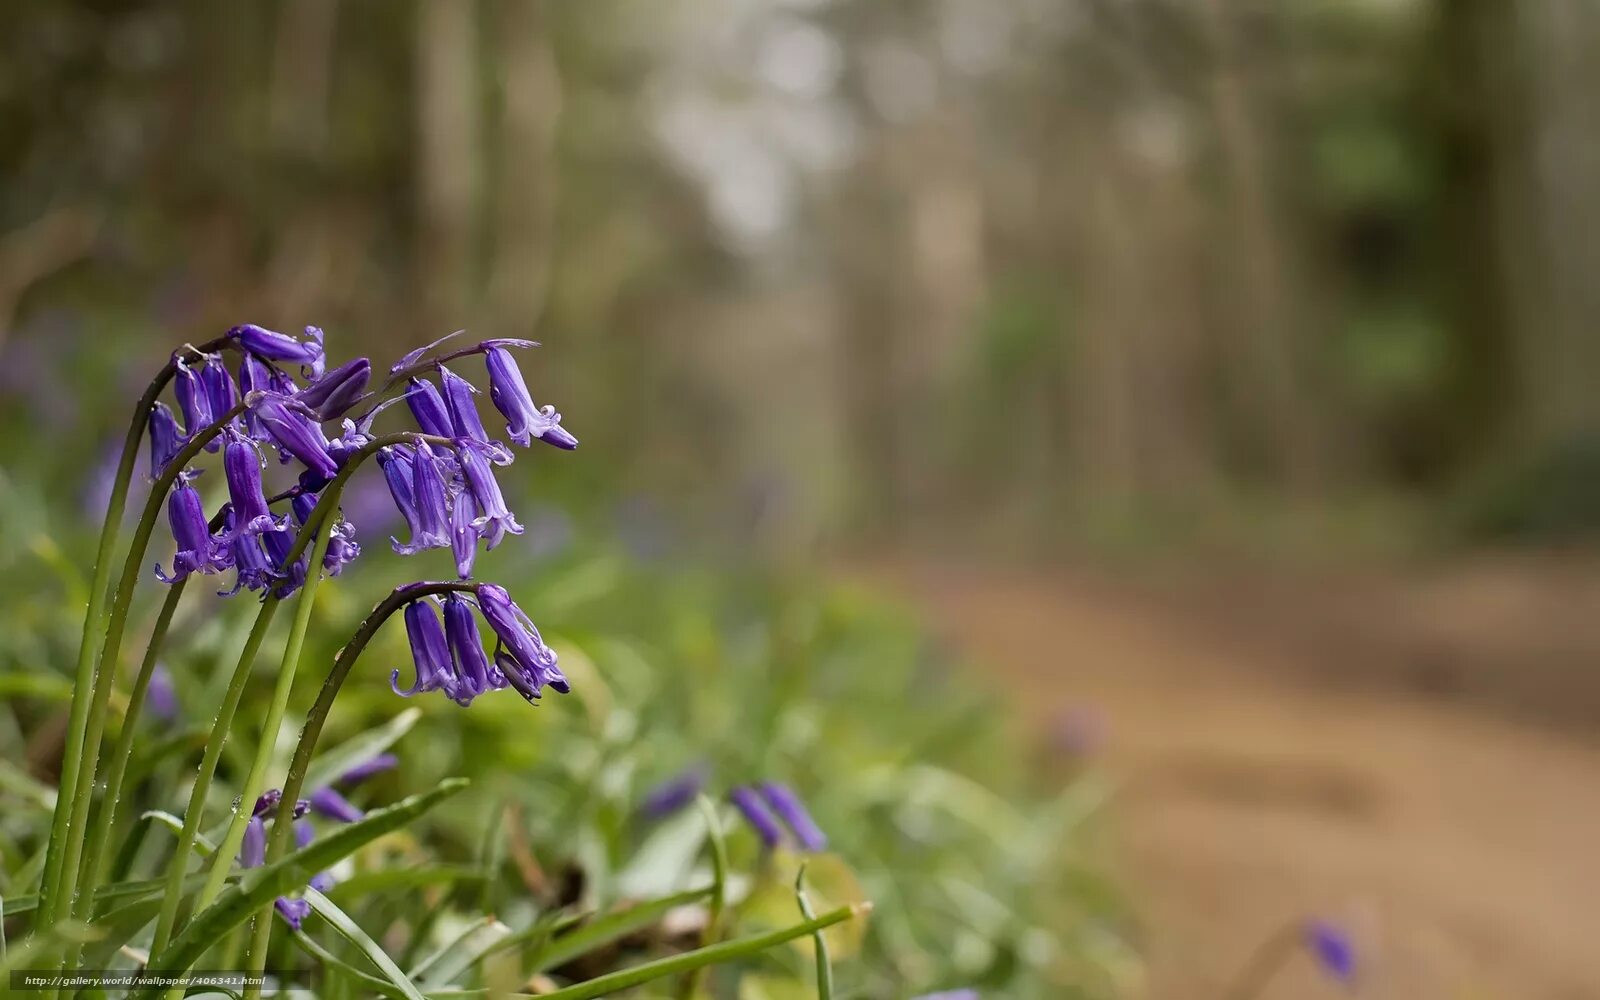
point(84, 679)
point(294, 782)
point(824, 966)
point(192, 815)
point(110, 651)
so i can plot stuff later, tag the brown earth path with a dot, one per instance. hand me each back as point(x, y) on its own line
point(1334, 748)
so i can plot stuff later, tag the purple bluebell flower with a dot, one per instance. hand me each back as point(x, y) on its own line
point(528, 663)
point(162, 695)
point(254, 568)
point(964, 994)
point(366, 769)
point(430, 505)
point(342, 547)
point(325, 801)
point(427, 406)
point(289, 578)
point(273, 346)
point(295, 433)
point(430, 652)
point(474, 674)
point(675, 793)
point(756, 813)
point(255, 375)
point(1332, 948)
point(166, 439)
point(463, 536)
point(221, 393)
point(464, 418)
point(497, 520)
point(198, 551)
point(194, 403)
point(396, 462)
point(524, 420)
point(241, 465)
point(793, 812)
point(253, 848)
point(332, 395)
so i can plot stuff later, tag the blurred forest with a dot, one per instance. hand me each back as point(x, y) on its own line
point(891, 270)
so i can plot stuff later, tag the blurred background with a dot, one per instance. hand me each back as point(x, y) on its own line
point(1220, 377)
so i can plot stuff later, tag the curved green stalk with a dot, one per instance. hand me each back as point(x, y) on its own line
point(195, 811)
point(84, 679)
point(294, 782)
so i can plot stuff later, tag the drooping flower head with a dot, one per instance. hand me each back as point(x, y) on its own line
point(270, 345)
point(464, 418)
point(221, 394)
point(333, 394)
point(428, 408)
point(524, 420)
point(497, 520)
point(194, 403)
point(166, 439)
point(675, 793)
point(241, 466)
point(463, 536)
point(198, 551)
point(430, 504)
point(527, 662)
point(430, 652)
point(295, 433)
point(474, 673)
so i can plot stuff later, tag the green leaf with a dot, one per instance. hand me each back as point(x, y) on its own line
point(611, 927)
point(43, 946)
point(380, 986)
point(443, 966)
point(385, 879)
point(352, 932)
point(326, 768)
point(689, 961)
point(257, 888)
point(665, 859)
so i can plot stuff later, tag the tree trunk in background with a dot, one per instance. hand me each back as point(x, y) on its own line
point(448, 155)
point(525, 194)
point(1264, 378)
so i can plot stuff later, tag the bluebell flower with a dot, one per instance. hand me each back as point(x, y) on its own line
point(965, 994)
point(464, 418)
point(342, 547)
point(427, 406)
point(198, 551)
point(366, 769)
point(295, 433)
point(221, 393)
point(288, 578)
point(161, 696)
point(241, 466)
point(524, 420)
point(166, 439)
point(395, 461)
point(675, 793)
point(430, 652)
point(327, 802)
point(497, 520)
point(473, 672)
point(332, 395)
point(1331, 947)
point(430, 505)
point(463, 536)
point(793, 812)
point(194, 403)
point(528, 664)
point(251, 563)
point(756, 813)
point(273, 346)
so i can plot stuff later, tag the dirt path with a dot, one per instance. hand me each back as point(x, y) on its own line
point(1461, 844)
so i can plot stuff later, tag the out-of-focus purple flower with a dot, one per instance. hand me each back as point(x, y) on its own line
point(527, 662)
point(332, 395)
point(675, 793)
point(273, 346)
point(162, 696)
point(1332, 948)
point(367, 769)
point(327, 802)
point(524, 420)
point(368, 502)
point(241, 466)
point(166, 439)
point(793, 812)
point(430, 652)
point(295, 433)
point(949, 995)
point(756, 813)
point(464, 418)
point(253, 848)
point(430, 513)
point(474, 674)
point(198, 551)
point(221, 393)
point(463, 536)
point(193, 400)
point(427, 406)
point(497, 520)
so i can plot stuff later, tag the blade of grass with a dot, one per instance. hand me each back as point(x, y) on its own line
point(719, 889)
point(443, 966)
point(689, 961)
point(824, 966)
point(611, 927)
point(352, 932)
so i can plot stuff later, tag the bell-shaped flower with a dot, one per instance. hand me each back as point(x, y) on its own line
point(793, 812)
point(497, 520)
point(464, 419)
point(524, 420)
point(756, 813)
point(428, 407)
point(194, 403)
point(527, 662)
point(273, 346)
point(332, 395)
point(430, 652)
point(473, 671)
point(241, 466)
point(463, 536)
point(221, 393)
point(430, 513)
point(166, 439)
point(198, 551)
point(295, 433)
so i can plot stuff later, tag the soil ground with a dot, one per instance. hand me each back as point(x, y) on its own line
point(1413, 754)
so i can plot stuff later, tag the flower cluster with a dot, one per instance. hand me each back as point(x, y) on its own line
point(326, 802)
point(441, 477)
